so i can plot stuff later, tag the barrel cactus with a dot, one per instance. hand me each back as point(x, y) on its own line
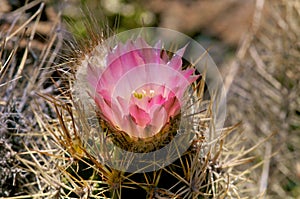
point(128, 117)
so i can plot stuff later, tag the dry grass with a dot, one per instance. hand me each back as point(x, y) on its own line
point(26, 56)
point(42, 155)
point(264, 90)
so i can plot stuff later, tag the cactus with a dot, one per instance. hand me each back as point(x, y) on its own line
point(63, 150)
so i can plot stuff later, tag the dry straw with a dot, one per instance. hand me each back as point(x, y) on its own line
point(43, 155)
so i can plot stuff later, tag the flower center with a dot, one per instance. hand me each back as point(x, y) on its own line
point(143, 93)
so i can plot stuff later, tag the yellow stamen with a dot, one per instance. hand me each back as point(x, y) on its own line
point(137, 95)
point(152, 93)
point(144, 93)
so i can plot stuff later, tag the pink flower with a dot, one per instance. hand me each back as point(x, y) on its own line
point(140, 88)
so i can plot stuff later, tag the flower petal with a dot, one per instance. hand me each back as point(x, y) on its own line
point(141, 87)
point(158, 99)
point(123, 105)
point(172, 106)
point(159, 117)
point(175, 62)
point(129, 126)
point(140, 117)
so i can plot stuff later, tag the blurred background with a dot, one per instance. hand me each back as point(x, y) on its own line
point(218, 25)
point(255, 44)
